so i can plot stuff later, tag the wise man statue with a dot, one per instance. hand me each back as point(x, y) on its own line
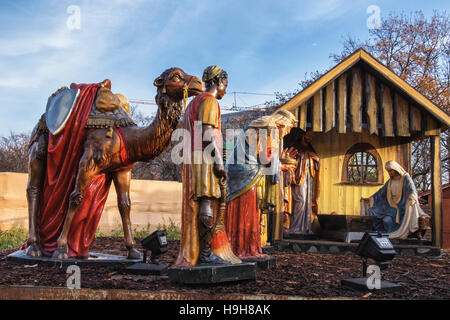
point(274, 187)
point(396, 204)
point(245, 184)
point(304, 185)
point(201, 174)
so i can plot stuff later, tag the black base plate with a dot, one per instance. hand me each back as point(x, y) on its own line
point(361, 284)
point(147, 269)
point(268, 249)
point(93, 259)
point(265, 262)
point(211, 273)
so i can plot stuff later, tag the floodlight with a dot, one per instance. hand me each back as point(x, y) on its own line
point(156, 243)
point(378, 247)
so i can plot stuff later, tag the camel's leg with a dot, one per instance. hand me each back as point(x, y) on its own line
point(36, 170)
point(122, 181)
point(86, 171)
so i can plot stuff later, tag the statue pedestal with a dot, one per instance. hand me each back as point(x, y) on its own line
point(93, 259)
point(213, 273)
point(265, 262)
point(147, 269)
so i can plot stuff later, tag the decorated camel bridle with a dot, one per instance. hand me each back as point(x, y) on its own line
point(185, 89)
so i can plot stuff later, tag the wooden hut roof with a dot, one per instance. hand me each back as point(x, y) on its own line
point(362, 92)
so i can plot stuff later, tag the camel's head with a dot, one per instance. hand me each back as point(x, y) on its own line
point(173, 81)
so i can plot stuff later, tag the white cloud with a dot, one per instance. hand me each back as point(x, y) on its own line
point(53, 52)
point(58, 39)
point(321, 10)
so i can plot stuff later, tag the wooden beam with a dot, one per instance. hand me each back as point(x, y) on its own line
point(356, 100)
point(387, 111)
point(342, 104)
point(372, 106)
point(330, 107)
point(432, 128)
point(416, 119)
point(303, 112)
point(317, 112)
point(402, 116)
point(436, 191)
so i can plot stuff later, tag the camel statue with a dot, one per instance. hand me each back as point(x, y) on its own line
point(102, 154)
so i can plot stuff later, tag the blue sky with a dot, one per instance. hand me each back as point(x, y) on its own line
point(265, 46)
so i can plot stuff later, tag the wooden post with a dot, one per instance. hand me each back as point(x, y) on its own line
point(402, 115)
point(436, 191)
point(302, 116)
point(416, 119)
point(372, 106)
point(317, 111)
point(387, 110)
point(342, 104)
point(330, 107)
point(356, 101)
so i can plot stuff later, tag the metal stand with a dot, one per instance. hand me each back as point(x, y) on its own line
point(144, 268)
point(361, 283)
point(364, 267)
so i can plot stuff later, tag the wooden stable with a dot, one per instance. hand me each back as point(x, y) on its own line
point(362, 106)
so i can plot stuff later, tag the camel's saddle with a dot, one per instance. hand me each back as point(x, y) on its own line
point(106, 111)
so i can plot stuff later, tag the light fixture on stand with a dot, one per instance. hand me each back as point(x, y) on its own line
point(378, 247)
point(157, 244)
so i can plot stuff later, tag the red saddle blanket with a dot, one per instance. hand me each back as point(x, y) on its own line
point(64, 153)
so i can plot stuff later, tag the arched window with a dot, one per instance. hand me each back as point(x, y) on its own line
point(362, 165)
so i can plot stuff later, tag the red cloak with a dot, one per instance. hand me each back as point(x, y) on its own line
point(64, 154)
point(243, 226)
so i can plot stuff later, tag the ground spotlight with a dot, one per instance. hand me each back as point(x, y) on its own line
point(378, 247)
point(157, 244)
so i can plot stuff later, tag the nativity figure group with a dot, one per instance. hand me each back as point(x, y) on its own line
point(231, 208)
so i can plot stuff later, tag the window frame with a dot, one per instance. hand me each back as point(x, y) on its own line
point(368, 148)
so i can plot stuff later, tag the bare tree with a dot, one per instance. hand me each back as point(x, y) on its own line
point(14, 152)
point(160, 168)
point(139, 117)
point(418, 50)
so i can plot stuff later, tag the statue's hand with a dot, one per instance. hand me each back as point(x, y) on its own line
point(219, 170)
point(58, 91)
point(288, 167)
point(289, 153)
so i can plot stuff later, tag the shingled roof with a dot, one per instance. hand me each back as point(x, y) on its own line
point(361, 92)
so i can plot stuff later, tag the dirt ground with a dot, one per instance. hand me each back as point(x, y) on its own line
point(297, 274)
